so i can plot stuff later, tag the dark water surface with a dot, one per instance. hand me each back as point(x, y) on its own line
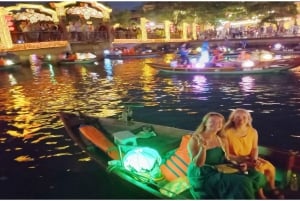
point(39, 161)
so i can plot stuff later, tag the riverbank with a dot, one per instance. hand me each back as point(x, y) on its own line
point(233, 43)
point(99, 46)
point(93, 47)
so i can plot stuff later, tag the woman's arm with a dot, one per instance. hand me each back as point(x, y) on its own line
point(254, 151)
point(197, 150)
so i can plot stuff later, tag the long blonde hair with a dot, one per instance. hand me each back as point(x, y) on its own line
point(230, 123)
point(202, 127)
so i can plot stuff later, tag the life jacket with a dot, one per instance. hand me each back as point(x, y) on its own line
point(2, 62)
point(176, 166)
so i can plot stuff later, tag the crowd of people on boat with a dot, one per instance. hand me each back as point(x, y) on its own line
point(70, 56)
point(235, 142)
point(216, 57)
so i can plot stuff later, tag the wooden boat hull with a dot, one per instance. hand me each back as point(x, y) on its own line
point(263, 67)
point(9, 61)
point(85, 61)
point(281, 52)
point(166, 140)
point(10, 67)
point(135, 56)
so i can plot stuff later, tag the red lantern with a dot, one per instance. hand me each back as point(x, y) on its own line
point(10, 23)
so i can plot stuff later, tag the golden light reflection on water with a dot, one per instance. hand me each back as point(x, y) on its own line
point(87, 159)
point(30, 103)
point(247, 83)
point(25, 158)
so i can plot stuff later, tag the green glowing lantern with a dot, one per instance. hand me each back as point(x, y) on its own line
point(143, 160)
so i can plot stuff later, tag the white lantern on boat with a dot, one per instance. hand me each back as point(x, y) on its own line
point(173, 64)
point(266, 56)
point(144, 161)
point(247, 64)
point(278, 46)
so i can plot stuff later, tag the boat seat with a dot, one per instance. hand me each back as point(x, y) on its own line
point(125, 138)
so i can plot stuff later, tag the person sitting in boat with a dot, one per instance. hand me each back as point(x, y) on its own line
point(131, 51)
point(184, 55)
point(242, 144)
point(125, 51)
point(217, 58)
point(70, 56)
point(206, 151)
point(244, 55)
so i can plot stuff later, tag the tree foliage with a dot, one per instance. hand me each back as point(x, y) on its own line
point(198, 12)
point(272, 12)
point(210, 12)
point(121, 17)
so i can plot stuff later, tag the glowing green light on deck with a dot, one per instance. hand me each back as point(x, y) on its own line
point(141, 160)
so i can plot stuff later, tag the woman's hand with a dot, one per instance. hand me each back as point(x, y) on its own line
point(201, 143)
point(243, 168)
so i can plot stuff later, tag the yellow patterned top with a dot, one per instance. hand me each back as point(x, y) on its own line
point(241, 145)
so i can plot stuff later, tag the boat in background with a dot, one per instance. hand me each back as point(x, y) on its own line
point(133, 154)
point(36, 60)
point(65, 58)
point(133, 56)
point(231, 67)
point(132, 53)
point(280, 49)
point(9, 60)
point(77, 61)
point(68, 58)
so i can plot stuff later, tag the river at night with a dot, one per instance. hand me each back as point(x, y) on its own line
point(38, 159)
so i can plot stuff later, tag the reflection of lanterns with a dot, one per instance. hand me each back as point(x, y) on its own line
point(247, 83)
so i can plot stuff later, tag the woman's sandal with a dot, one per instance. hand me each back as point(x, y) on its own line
point(277, 194)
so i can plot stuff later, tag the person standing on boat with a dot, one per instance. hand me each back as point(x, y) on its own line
point(184, 54)
point(206, 151)
point(204, 58)
point(242, 146)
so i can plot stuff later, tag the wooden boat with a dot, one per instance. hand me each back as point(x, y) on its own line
point(131, 56)
point(35, 59)
point(9, 67)
point(231, 67)
point(286, 52)
point(9, 61)
point(103, 139)
point(77, 61)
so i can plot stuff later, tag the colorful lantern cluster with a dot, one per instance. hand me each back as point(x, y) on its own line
point(32, 16)
point(85, 11)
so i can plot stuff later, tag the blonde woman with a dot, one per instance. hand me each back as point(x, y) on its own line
point(242, 146)
point(206, 152)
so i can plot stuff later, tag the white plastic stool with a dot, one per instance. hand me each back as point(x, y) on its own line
point(125, 138)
